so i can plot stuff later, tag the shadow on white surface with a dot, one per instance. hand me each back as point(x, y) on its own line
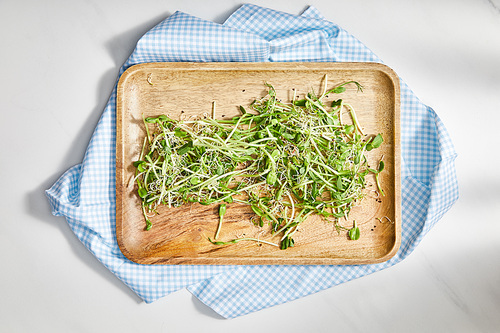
point(121, 46)
point(203, 309)
point(224, 15)
point(36, 202)
point(38, 206)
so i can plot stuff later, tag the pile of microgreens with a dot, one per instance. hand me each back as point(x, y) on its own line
point(286, 161)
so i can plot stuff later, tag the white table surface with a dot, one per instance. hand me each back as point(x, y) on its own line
point(59, 61)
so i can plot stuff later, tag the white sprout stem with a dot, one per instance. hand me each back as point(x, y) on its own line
point(234, 129)
point(293, 206)
point(324, 86)
point(354, 118)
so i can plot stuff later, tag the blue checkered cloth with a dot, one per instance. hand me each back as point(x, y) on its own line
point(85, 194)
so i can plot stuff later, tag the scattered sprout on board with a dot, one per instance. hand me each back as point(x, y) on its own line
point(285, 160)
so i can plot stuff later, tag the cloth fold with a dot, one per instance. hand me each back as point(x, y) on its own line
point(85, 194)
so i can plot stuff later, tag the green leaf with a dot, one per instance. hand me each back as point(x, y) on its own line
point(279, 193)
point(381, 166)
point(275, 153)
point(338, 90)
point(257, 210)
point(271, 178)
point(185, 148)
point(300, 102)
point(340, 186)
point(142, 192)
point(137, 163)
point(357, 158)
point(222, 210)
point(354, 233)
point(180, 133)
point(314, 190)
point(375, 142)
point(288, 136)
point(261, 134)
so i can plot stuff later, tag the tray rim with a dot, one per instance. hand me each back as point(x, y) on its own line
point(253, 66)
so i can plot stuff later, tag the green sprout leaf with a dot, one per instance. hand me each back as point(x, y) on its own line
point(354, 232)
point(338, 90)
point(143, 192)
point(375, 143)
point(185, 148)
point(381, 165)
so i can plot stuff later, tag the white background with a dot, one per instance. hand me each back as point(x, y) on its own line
point(59, 61)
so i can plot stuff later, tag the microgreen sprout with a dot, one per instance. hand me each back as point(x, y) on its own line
point(381, 166)
point(354, 232)
point(286, 161)
point(236, 240)
point(222, 211)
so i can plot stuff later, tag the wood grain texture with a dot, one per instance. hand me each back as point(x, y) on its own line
point(183, 90)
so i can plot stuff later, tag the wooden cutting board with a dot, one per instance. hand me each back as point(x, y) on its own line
point(180, 235)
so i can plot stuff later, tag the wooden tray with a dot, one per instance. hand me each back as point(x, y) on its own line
point(179, 236)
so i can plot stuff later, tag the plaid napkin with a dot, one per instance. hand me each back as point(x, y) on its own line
point(85, 194)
